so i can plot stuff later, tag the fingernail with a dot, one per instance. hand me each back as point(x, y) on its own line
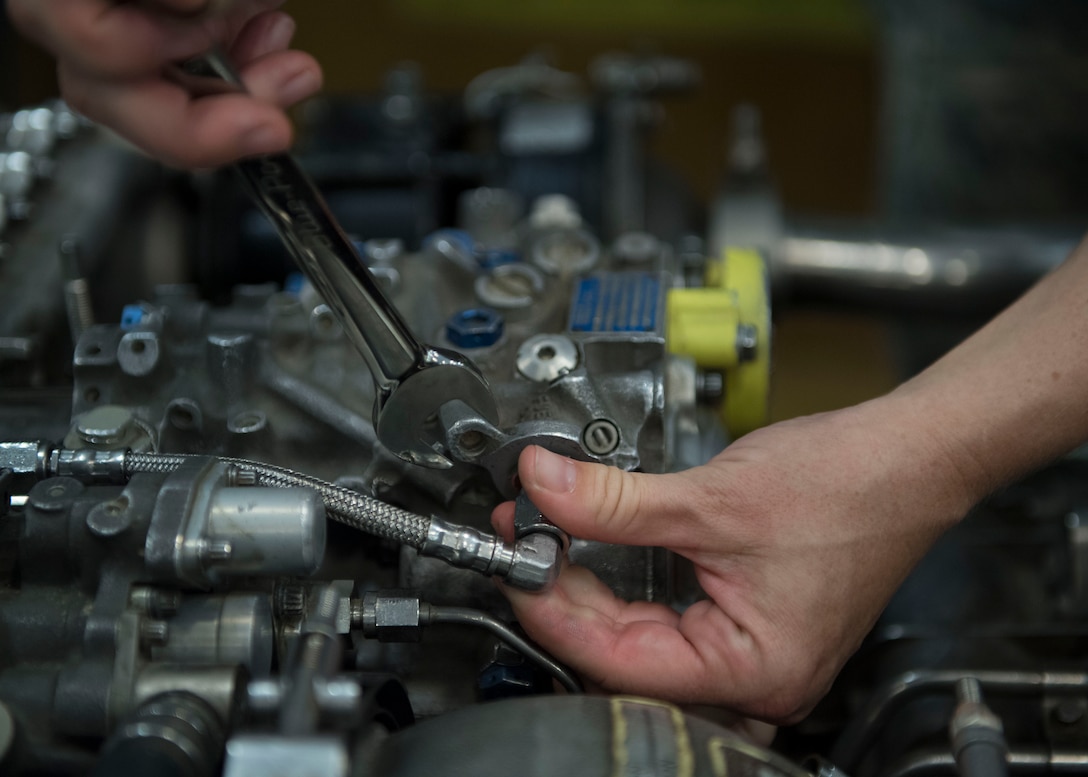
point(262, 139)
point(553, 473)
point(281, 32)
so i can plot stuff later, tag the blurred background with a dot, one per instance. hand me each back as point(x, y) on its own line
point(911, 113)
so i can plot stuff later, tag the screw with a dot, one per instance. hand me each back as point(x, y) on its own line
point(747, 341)
point(601, 437)
point(154, 633)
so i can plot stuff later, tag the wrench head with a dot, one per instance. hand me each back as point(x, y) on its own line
point(407, 418)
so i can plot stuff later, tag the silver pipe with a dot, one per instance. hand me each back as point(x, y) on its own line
point(1019, 761)
point(530, 564)
point(319, 405)
point(958, 269)
point(470, 617)
point(863, 728)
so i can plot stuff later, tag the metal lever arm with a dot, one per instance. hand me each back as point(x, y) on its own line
point(412, 380)
point(296, 208)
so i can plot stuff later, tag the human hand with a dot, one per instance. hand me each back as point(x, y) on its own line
point(799, 533)
point(112, 57)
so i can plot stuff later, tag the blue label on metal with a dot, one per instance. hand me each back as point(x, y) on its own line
point(617, 302)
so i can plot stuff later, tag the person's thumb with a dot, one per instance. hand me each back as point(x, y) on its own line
point(596, 502)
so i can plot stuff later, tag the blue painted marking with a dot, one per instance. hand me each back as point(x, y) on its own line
point(616, 302)
point(294, 282)
point(131, 316)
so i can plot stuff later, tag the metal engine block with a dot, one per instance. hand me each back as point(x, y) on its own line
point(209, 565)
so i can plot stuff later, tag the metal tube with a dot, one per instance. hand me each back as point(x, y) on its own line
point(470, 617)
point(859, 735)
point(958, 270)
point(1021, 762)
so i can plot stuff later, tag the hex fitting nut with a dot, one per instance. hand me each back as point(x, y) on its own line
point(475, 328)
point(392, 616)
point(538, 558)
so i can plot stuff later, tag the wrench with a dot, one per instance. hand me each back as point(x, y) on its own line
point(412, 380)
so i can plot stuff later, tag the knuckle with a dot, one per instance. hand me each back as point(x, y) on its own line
point(619, 499)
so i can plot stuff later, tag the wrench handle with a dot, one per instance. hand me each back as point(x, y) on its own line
point(291, 200)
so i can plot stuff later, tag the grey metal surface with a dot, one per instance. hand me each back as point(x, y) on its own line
point(231, 630)
point(271, 531)
point(273, 755)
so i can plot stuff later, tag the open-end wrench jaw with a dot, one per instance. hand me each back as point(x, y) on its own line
point(408, 419)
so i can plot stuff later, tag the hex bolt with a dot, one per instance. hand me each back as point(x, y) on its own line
point(601, 437)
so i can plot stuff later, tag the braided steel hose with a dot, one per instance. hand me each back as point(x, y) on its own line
point(532, 563)
point(341, 504)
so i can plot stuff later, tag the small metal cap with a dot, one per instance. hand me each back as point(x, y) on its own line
point(601, 437)
point(108, 425)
